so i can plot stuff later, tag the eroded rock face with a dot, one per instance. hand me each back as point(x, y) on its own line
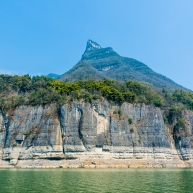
point(84, 127)
point(95, 128)
point(185, 143)
point(32, 132)
point(84, 130)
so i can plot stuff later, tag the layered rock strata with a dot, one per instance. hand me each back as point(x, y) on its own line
point(91, 135)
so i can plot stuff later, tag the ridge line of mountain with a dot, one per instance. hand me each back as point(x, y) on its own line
point(99, 63)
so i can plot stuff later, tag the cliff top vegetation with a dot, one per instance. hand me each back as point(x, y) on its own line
point(41, 90)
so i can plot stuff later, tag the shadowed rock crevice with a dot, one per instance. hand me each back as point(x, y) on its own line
point(6, 124)
point(80, 128)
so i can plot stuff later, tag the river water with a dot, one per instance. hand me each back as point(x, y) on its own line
point(96, 180)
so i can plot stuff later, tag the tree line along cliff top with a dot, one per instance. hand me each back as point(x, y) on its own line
point(42, 90)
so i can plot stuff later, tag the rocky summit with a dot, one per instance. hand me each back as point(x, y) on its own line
point(99, 63)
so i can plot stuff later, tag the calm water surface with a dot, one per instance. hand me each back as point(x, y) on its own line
point(96, 180)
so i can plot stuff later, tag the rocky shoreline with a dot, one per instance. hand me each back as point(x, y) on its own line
point(98, 163)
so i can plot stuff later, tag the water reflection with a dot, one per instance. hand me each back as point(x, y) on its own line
point(103, 181)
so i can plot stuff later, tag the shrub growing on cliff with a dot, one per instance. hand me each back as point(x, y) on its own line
point(165, 120)
point(174, 113)
point(26, 133)
point(14, 144)
point(95, 97)
point(132, 130)
point(130, 120)
point(119, 112)
point(181, 124)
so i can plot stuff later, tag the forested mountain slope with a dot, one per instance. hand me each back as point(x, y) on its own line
point(99, 63)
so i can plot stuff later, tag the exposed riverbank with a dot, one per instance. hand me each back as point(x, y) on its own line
point(98, 163)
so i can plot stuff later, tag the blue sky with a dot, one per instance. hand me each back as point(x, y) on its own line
point(43, 36)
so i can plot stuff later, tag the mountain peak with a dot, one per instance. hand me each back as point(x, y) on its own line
point(91, 45)
point(99, 63)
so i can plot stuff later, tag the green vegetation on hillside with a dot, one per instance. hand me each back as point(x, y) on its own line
point(42, 90)
point(99, 63)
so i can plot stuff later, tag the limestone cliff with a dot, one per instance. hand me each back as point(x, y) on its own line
point(83, 131)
